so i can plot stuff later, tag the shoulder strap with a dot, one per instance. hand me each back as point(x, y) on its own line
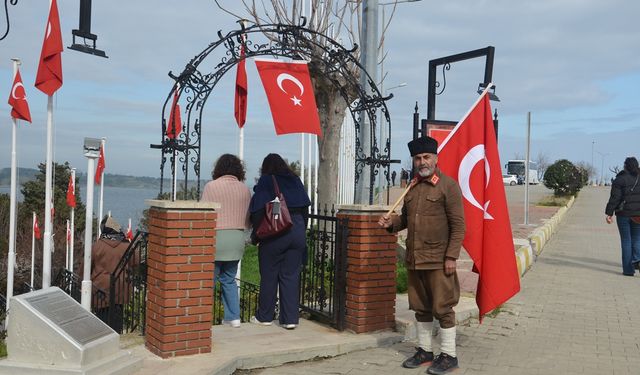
point(636, 183)
point(275, 185)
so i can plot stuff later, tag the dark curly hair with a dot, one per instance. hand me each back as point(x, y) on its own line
point(228, 164)
point(275, 164)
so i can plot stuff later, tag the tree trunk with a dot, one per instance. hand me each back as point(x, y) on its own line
point(331, 108)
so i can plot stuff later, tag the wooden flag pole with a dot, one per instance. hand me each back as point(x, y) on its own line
point(411, 184)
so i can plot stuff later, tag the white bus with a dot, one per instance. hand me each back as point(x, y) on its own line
point(517, 167)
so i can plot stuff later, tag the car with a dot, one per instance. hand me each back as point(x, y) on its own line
point(509, 179)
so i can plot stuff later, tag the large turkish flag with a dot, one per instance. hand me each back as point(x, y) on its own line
point(470, 156)
point(290, 94)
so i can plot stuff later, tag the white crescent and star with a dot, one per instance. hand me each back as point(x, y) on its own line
point(467, 164)
point(15, 88)
point(288, 77)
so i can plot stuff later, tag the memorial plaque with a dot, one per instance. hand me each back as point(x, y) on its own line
point(75, 321)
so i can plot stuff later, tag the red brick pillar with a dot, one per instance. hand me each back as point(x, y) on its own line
point(180, 260)
point(371, 270)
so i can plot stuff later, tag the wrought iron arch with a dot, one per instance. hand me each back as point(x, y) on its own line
point(290, 41)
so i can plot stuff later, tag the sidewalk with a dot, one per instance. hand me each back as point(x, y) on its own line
point(576, 314)
point(255, 346)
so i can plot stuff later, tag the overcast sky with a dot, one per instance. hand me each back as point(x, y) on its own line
point(573, 63)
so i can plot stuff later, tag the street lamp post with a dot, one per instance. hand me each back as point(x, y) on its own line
point(593, 143)
point(603, 155)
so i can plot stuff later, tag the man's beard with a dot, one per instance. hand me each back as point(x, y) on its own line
point(425, 171)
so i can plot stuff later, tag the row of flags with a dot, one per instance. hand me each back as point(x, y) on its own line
point(37, 234)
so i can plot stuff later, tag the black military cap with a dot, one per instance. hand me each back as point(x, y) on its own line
point(422, 145)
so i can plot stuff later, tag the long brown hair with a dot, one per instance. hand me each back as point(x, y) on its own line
point(274, 164)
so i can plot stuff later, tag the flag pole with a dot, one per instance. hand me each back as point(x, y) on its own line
point(47, 247)
point(33, 248)
point(72, 228)
point(85, 294)
point(12, 208)
point(302, 158)
point(315, 176)
point(100, 206)
point(66, 241)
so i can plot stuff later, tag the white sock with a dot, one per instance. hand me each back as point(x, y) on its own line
point(423, 330)
point(448, 337)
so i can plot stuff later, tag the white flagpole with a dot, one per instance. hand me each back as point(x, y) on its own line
point(302, 157)
point(72, 228)
point(241, 144)
point(12, 207)
point(33, 248)
point(100, 204)
point(315, 175)
point(47, 247)
point(85, 294)
point(66, 240)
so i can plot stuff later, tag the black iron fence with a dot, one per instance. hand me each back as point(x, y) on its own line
point(248, 293)
point(323, 280)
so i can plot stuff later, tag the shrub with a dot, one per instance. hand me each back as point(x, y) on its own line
point(401, 278)
point(563, 178)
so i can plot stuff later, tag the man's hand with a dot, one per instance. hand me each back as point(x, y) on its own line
point(385, 221)
point(449, 266)
point(609, 219)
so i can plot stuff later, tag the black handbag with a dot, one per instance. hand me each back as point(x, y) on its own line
point(277, 219)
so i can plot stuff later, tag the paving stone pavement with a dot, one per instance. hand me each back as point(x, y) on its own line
point(576, 314)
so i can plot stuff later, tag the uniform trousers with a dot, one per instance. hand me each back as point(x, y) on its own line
point(432, 294)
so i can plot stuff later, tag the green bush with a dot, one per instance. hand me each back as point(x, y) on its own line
point(401, 278)
point(563, 178)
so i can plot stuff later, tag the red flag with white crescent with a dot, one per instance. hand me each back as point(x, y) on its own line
point(290, 94)
point(100, 167)
point(240, 102)
point(18, 100)
point(36, 228)
point(470, 156)
point(71, 192)
point(174, 127)
point(49, 76)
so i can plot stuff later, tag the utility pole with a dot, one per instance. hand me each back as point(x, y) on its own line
point(369, 60)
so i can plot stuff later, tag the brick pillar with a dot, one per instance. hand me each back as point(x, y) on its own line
point(371, 270)
point(180, 260)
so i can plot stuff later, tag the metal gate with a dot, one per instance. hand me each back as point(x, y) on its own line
point(324, 275)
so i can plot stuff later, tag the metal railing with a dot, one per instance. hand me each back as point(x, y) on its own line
point(248, 293)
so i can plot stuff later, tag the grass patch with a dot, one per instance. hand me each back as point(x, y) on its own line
point(250, 270)
point(553, 201)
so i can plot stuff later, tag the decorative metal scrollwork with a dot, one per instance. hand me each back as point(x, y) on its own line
point(445, 67)
point(290, 41)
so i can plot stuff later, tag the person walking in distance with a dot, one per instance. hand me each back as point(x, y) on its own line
point(624, 202)
point(393, 178)
point(433, 215)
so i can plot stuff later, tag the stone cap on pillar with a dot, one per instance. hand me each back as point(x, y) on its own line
point(362, 208)
point(182, 205)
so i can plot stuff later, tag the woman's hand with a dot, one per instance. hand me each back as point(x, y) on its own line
point(609, 219)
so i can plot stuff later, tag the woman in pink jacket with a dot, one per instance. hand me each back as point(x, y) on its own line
point(228, 189)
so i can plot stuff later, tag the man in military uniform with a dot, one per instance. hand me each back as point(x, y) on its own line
point(433, 214)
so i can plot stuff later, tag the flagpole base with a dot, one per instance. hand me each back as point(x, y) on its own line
point(85, 296)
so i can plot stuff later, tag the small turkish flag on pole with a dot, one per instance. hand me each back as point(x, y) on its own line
point(174, 126)
point(470, 156)
point(49, 76)
point(71, 192)
point(240, 103)
point(100, 167)
point(36, 228)
point(129, 232)
point(18, 100)
point(290, 94)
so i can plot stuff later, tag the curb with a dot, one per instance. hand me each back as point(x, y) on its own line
point(528, 250)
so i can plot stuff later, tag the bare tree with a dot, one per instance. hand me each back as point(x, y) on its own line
point(542, 160)
point(339, 20)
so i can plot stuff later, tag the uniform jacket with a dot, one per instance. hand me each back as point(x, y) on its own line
point(622, 189)
point(433, 214)
point(105, 256)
